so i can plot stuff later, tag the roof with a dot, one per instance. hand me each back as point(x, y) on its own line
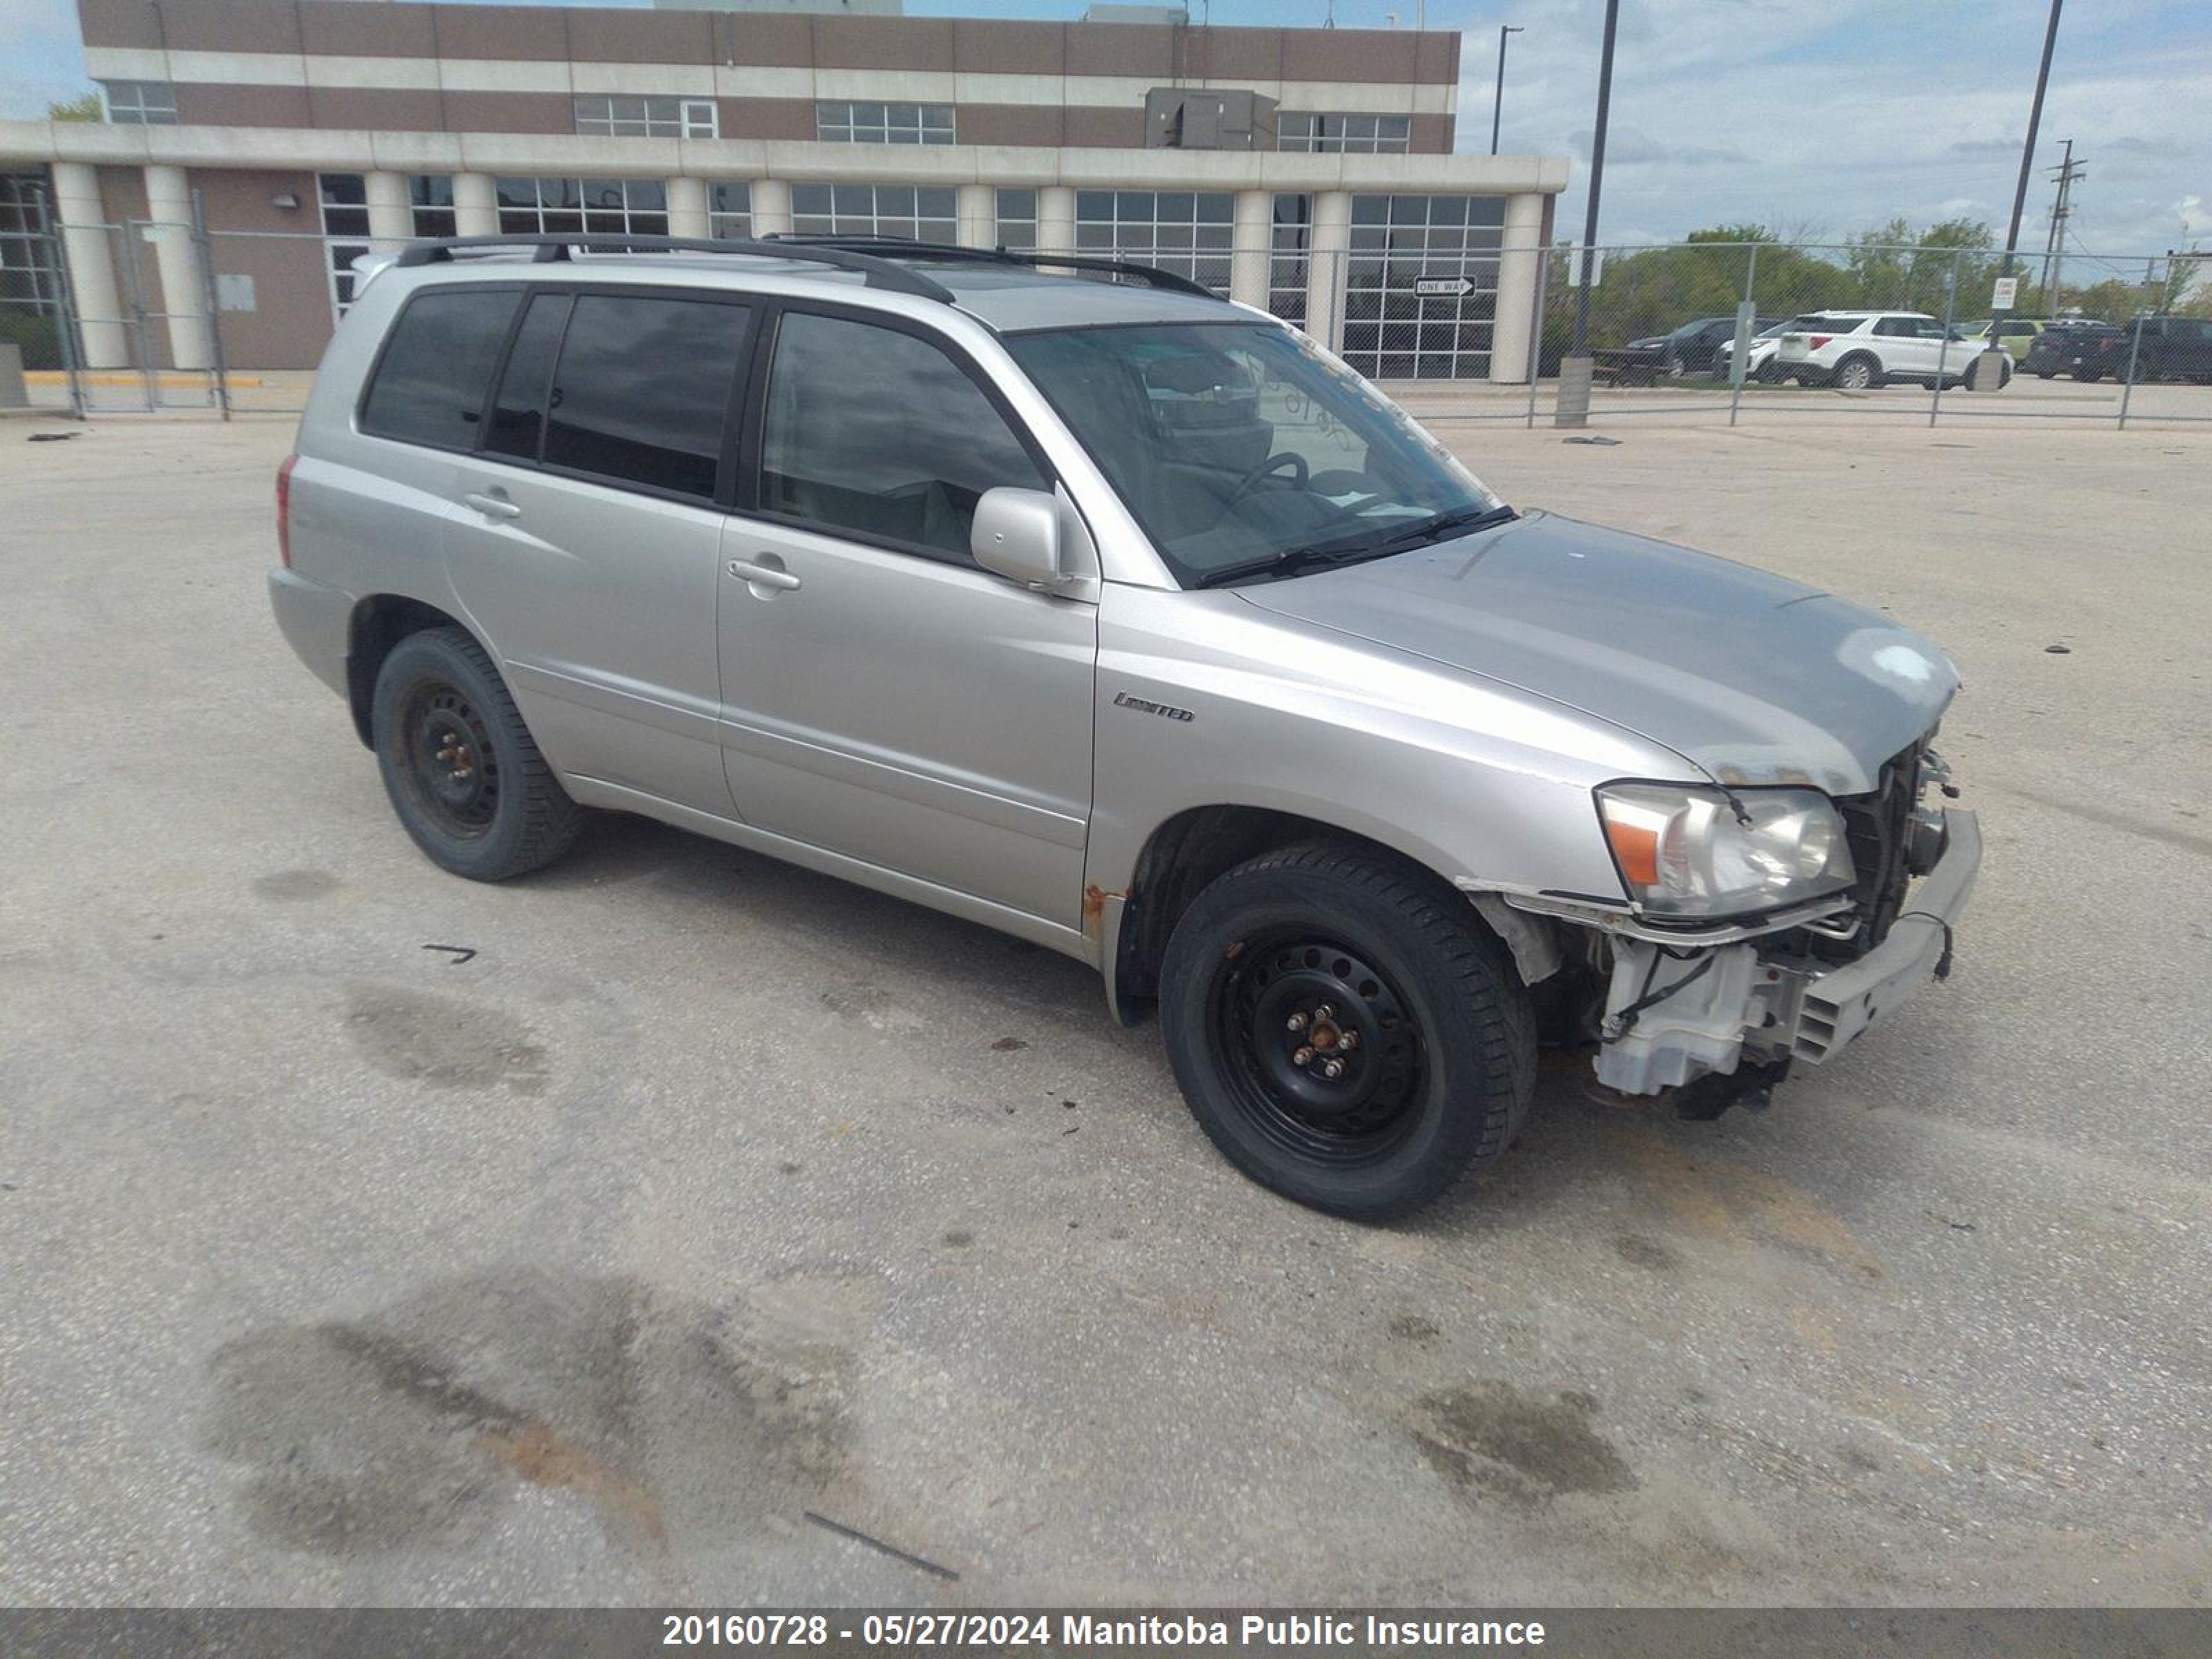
point(1001, 290)
point(1014, 300)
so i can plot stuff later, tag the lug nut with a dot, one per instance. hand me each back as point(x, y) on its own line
point(1295, 1022)
point(1303, 1057)
point(1333, 1070)
point(1348, 1039)
point(1325, 1012)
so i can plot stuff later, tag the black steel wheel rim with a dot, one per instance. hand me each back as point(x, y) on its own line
point(1321, 1052)
point(447, 759)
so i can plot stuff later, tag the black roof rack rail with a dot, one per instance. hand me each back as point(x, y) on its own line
point(550, 248)
point(897, 248)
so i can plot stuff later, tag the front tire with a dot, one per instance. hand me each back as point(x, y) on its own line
point(1325, 956)
point(462, 770)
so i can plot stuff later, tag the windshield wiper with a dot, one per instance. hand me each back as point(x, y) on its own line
point(1321, 555)
point(1288, 562)
point(1438, 525)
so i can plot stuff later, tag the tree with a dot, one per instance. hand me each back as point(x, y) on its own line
point(83, 108)
point(1894, 264)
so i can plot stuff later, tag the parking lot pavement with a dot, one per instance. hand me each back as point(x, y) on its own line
point(708, 1192)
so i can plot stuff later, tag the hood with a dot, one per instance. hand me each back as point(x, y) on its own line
point(1754, 678)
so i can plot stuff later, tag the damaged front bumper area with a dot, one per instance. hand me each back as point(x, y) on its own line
point(1726, 1022)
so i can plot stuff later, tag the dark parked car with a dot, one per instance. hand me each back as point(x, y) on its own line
point(2162, 347)
point(1691, 348)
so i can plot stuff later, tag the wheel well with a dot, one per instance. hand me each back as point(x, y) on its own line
point(1187, 852)
point(379, 622)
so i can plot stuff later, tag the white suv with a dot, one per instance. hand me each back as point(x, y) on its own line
point(1859, 350)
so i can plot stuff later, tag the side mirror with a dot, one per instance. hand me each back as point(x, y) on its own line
point(1016, 534)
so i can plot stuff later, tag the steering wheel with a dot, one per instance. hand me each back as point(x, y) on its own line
point(1272, 464)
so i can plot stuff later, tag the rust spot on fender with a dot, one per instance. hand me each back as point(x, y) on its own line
point(1094, 907)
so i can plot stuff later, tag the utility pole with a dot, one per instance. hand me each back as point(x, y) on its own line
point(2054, 247)
point(1984, 364)
point(1497, 102)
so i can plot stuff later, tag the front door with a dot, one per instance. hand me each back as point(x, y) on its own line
point(884, 697)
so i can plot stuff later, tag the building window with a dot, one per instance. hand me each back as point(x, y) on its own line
point(30, 270)
point(919, 213)
point(1017, 214)
point(1344, 135)
point(616, 115)
point(1180, 231)
point(344, 202)
point(141, 103)
point(553, 207)
point(1289, 258)
point(1391, 331)
point(430, 195)
point(882, 123)
point(730, 211)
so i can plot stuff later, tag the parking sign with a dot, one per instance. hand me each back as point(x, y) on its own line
point(2006, 290)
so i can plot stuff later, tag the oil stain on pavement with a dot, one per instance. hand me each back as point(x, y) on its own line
point(418, 1423)
point(1492, 1437)
point(446, 1041)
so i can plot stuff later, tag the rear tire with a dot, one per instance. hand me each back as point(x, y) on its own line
point(461, 769)
point(1358, 960)
point(1857, 373)
point(2046, 374)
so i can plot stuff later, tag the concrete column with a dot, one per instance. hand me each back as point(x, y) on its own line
point(1521, 257)
point(476, 206)
point(771, 208)
point(1056, 219)
point(687, 208)
point(1253, 243)
point(1329, 243)
point(91, 256)
point(177, 258)
point(391, 214)
point(978, 217)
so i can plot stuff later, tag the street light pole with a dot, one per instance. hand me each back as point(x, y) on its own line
point(1597, 177)
point(2020, 190)
point(1497, 102)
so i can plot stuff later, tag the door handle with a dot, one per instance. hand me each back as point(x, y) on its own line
point(493, 506)
point(763, 575)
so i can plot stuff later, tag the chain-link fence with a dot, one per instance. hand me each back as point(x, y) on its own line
point(1459, 325)
point(1743, 330)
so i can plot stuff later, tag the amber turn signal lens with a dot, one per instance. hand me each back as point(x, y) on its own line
point(1637, 848)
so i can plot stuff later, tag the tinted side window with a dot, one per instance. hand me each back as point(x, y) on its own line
point(518, 413)
point(643, 388)
point(430, 383)
point(874, 430)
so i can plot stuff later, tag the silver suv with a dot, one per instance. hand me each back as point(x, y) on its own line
point(1136, 624)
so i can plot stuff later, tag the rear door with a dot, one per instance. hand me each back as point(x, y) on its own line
point(1902, 348)
point(884, 697)
point(588, 525)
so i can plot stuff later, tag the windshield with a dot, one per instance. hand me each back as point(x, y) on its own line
point(1234, 444)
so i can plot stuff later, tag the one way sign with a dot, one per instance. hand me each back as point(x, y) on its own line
point(1443, 288)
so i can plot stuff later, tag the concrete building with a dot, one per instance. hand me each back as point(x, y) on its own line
point(1310, 171)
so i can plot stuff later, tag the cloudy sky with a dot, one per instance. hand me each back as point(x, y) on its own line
point(1817, 117)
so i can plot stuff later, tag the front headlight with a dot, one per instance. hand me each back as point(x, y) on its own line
point(1685, 852)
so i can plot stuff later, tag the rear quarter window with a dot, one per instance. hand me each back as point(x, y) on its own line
point(430, 383)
